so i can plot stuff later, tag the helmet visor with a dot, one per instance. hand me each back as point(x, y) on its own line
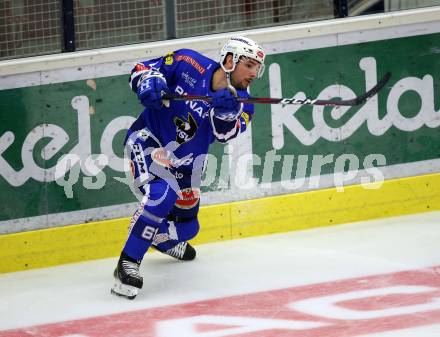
point(253, 65)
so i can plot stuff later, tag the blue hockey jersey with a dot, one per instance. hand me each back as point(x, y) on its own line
point(189, 123)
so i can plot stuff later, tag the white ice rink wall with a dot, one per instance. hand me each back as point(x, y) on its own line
point(306, 166)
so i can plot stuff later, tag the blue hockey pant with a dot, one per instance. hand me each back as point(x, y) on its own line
point(167, 213)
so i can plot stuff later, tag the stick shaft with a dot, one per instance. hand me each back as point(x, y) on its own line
point(268, 100)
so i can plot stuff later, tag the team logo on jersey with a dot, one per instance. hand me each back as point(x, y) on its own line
point(169, 59)
point(188, 198)
point(185, 129)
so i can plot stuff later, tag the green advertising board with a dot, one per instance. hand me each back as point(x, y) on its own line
point(87, 118)
point(401, 124)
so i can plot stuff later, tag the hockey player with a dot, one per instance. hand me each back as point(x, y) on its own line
point(168, 143)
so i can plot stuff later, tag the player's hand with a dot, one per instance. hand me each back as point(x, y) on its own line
point(226, 106)
point(151, 89)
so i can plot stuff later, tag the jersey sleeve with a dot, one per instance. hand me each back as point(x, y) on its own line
point(163, 65)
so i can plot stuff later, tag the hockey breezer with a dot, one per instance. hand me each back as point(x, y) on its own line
point(284, 101)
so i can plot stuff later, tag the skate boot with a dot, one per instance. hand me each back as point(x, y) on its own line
point(128, 281)
point(183, 251)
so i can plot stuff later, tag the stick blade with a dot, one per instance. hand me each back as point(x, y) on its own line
point(359, 99)
point(374, 90)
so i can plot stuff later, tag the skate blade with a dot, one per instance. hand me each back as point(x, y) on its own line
point(124, 290)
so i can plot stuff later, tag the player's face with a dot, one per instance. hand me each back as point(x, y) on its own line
point(245, 72)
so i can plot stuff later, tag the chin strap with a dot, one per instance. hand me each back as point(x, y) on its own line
point(230, 87)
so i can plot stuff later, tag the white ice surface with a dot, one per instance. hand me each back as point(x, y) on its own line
point(228, 268)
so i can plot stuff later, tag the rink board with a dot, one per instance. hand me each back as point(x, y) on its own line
point(80, 105)
point(275, 214)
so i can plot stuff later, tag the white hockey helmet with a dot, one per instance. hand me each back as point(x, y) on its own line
point(242, 46)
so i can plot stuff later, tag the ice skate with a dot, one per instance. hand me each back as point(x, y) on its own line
point(183, 251)
point(128, 280)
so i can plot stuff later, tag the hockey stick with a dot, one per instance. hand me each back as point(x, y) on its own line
point(267, 100)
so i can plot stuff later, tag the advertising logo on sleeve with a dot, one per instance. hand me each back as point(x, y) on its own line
point(189, 80)
point(191, 61)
